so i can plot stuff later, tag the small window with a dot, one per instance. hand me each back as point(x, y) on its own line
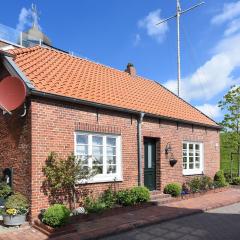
point(100, 152)
point(192, 154)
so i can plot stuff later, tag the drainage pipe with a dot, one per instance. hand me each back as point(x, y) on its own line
point(139, 146)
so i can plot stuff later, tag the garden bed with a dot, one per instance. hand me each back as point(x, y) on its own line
point(198, 194)
point(70, 227)
point(52, 232)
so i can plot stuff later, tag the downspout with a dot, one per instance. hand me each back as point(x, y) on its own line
point(139, 146)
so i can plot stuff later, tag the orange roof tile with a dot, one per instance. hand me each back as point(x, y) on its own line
point(59, 73)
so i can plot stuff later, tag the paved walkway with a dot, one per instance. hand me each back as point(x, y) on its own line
point(218, 224)
point(131, 220)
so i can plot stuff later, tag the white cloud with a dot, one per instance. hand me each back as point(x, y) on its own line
point(25, 19)
point(229, 12)
point(216, 74)
point(233, 27)
point(213, 111)
point(148, 23)
point(137, 39)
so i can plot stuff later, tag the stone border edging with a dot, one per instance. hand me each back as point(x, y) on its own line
point(53, 232)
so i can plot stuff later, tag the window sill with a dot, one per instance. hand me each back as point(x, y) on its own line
point(192, 173)
point(102, 179)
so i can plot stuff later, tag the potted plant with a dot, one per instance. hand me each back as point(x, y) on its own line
point(16, 208)
point(5, 191)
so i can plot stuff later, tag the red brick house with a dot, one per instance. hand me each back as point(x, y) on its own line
point(133, 126)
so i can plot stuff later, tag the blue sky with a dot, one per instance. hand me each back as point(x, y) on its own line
point(117, 32)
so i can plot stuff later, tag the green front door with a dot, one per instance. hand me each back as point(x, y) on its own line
point(150, 163)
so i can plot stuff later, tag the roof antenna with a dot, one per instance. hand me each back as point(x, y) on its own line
point(35, 15)
point(179, 12)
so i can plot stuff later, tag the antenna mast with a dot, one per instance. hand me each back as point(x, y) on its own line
point(178, 14)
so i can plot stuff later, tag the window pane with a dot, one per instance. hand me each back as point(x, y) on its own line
point(190, 159)
point(184, 153)
point(99, 169)
point(184, 146)
point(190, 165)
point(97, 150)
point(82, 139)
point(83, 159)
point(190, 146)
point(197, 159)
point(197, 165)
point(82, 150)
point(197, 154)
point(184, 166)
point(111, 169)
point(185, 159)
point(86, 169)
point(111, 151)
point(190, 154)
point(97, 140)
point(111, 141)
point(97, 160)
point(111, 159)
point(197, 147)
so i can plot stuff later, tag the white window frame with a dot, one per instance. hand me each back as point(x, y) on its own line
point(103, 177)
point(194, 171)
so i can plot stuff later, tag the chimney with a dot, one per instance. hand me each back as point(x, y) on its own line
point(131, 70)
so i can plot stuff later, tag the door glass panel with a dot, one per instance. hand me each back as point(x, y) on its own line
point(149, 156)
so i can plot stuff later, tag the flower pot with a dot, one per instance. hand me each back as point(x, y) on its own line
point(14, 220)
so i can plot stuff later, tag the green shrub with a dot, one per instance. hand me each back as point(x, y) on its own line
point(219, 179)
point(173, 188)
point(56, 215)
point(19, 202)
point(236, 181)
point(206, 183)
point(198, 184)
point(109, 198)
point(194, 185)
point(126, 198)
point(228, 177)
point(94, 205)
point(141, 194)
point(5, 190)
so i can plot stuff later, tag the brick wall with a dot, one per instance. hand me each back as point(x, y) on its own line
point(175, 133)
point(15, 149)
point(51, 126)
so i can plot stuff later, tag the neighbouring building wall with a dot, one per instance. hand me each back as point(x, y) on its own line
point(15, 149)
point(54, 124)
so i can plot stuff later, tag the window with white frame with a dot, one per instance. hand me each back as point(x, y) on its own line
point(101, 152)
point(192, 158)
